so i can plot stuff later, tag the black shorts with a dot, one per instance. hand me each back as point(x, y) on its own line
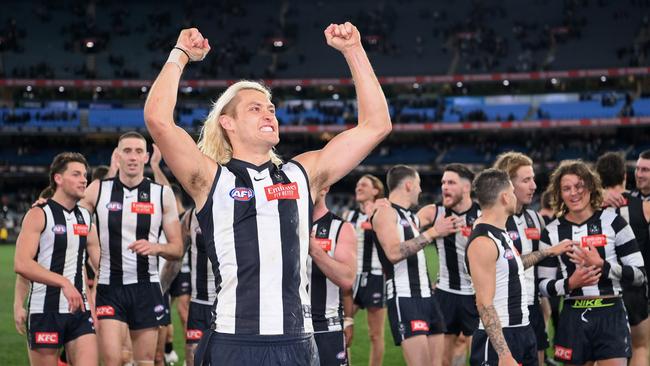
point(370, 291)
point(539, 326)
point(458, 312)
point(636, 303)
point(414, 316)
point(199, 320)
point(331, 348)
point(218, 349)
point(181, 285)
point(167, 319)
point(589, 332)
point(54, 330)
point(140, 305)
point(520, 340)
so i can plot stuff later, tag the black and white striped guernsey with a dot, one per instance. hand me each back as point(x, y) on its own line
point(452, 272)
point(408, 277)
point(614, 239)
point(525, 230)
point(326, 308)
point(62, 250)
point(367, 258)
point(637, 193)
point(510, 290)
point(256, 224)
point(204, 290)
point(632, 212)
point(124, 215)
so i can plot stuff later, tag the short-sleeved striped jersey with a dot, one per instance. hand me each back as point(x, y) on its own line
point(525, 230)
point(367, 258)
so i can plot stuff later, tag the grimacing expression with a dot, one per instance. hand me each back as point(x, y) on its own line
point(132, 155)
point(524, 183)
point(255, 121)
point(72, 181)
point(575, 195)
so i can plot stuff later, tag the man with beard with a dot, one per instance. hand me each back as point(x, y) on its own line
point(453, 221)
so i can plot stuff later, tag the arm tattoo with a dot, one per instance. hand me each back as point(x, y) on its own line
point(412, 246)
point(493, 328)
point(533, 258)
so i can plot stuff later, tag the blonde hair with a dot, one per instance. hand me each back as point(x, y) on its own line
point(511, 161)
point(213, 140)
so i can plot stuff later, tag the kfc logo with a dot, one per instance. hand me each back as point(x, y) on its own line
point(47, 338)
point(419, 325)
point(563, 353)
point(105, 310)
point(193, 334)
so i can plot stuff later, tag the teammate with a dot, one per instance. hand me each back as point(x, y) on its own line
point(642, 176)
point(497, 270)
point(453, 219)
point(593, 324)
point(331, 268)
point(51, 250)
point(636, 212)
point(253, 209)
point(415, 319)
point(524, 227)
point(369, 285)
point(131, 212)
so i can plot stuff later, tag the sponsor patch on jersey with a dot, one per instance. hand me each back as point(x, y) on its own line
point(514, 235)
point(466, 231)
point(532, 233)
point(59, 229)
point(598, 240)
point(142, 208)
point(508, 254)
point(366, 225)
point(159, 308)
point(80, 229)
point(105, 310)
point(419, 326)
point(563, 353)
point(193, 334)
point(326, 244)
point(46, 338)
point(282, 192)
point(242, 194)
point(114, 206)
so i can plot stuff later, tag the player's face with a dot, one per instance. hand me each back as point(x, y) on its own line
point(73, 180)
point(524, 183)
point(574, 193)
point(132, 155)
point(364, 190)
point(453, 188)
point(642, 175)
point(255, 121)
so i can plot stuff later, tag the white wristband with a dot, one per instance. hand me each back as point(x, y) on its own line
point(347, 321)
point(175, 58)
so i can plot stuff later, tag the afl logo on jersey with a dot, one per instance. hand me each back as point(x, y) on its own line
point(114, 206)
point(59, 229)
point(508, 254)
point(242, 194)
point(514, 235)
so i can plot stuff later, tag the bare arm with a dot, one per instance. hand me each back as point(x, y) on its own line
point(343, 267)
point(384, 225)
point(93, 249)
point(20, 294)
point(171, 267)
point(481, 256)
point(114, 167)
point(90, 196)
point(26, 266)
point(158, 175)
point(374, 120)
point(194, 171)
point(537, 256)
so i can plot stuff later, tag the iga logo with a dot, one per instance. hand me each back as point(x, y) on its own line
point(242, 194)
point(47, 337)
point(193, 334)
point(114, 206)
point(59, 229)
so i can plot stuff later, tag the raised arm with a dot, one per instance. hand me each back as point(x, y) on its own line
point(328, 165)
point(481, 256)
point(154, 161)
point(194, 171)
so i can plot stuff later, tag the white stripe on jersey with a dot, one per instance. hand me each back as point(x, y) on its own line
point(58, 232)
point(128, 271)
point(364, 260)
point(527, 247)
point(204, 290)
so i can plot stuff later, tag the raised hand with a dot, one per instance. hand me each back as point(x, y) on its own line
point(192, 42)
point(447, 225)
point(343, 36)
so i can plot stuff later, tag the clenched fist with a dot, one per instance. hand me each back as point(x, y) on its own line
point(192, 42)
point(343, 36)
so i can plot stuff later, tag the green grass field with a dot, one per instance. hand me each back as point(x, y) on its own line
point(13, 349)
